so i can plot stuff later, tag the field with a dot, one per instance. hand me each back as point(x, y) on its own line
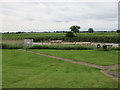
point(91, 56)
point(111, 37)
point(32, 35)
point(27, 70)
point(21, 69)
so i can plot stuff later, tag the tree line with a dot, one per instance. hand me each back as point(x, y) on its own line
point(75, 29)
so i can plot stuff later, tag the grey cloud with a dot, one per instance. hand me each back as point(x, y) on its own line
point(105, 15)
point(30, 19)
point(61, 13)
point(72, 19)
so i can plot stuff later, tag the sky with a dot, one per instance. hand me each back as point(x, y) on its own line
point(52, 16)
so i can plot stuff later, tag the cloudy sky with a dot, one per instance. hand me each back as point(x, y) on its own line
point(50, 16)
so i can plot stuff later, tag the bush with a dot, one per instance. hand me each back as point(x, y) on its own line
point(118, 31)
point(57, 47)
point(11, 46)
point(90, 30)
point(61, 47)
point(105, 47)
point(70, 34)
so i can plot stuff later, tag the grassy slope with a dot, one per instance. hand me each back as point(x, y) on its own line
point(23, 70)
point(90, 56)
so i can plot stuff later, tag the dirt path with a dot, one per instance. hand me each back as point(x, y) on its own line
point(105, 69)
point(114, 75)
point(70, 60)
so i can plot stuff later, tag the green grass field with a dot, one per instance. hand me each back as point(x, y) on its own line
point(29, 35)
point(33, 35)
point(111, 37)
point(97, 57)
point(26, 70)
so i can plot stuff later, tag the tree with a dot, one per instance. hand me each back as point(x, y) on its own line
point(118, 31)
point(70, 34)
point(75, 28)
point(90, 30)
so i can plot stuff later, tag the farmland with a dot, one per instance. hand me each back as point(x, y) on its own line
point(27, 70)
point(23, 69)
point(109, 37)
point(59, 44)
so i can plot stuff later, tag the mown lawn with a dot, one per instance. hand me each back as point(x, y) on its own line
point(91, 56)
point(26, 70)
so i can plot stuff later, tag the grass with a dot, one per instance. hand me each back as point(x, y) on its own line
point(115, 70)
point(26, 70)
point(57, 46)
point(19, 45)
point(111, 37)
point(30, 35)
point(12, 42)
point(91, 56)
point(62, 47)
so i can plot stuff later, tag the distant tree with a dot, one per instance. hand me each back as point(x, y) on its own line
point(6, 32)
point(70, 34)
point(90, 30)
point(118, 31)
point(75, 28)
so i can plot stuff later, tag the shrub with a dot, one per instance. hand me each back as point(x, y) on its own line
point(70, 34)
point(118, 31)
point(90, 30)
point(61, 47)
point(105, 48)
point(11, 46)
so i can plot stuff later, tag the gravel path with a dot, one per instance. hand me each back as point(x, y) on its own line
point(105, 69)
point(70, 60)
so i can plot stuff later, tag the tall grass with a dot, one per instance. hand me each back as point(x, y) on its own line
point(58, 47)
point(61, 47)
point(11, 46)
